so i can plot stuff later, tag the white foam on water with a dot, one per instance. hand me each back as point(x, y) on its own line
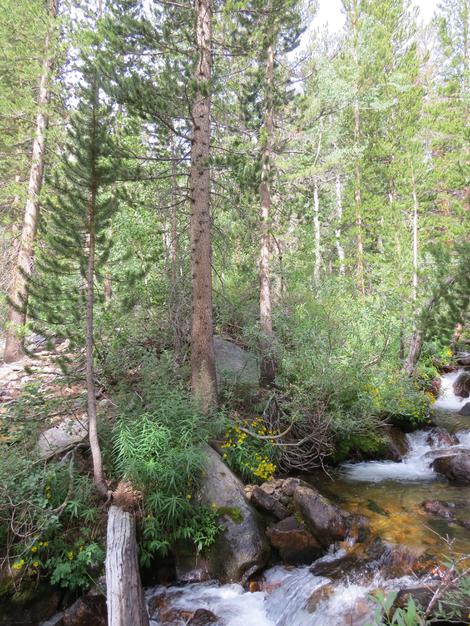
point(447, 400)
point(284, 603)
point(414, 466)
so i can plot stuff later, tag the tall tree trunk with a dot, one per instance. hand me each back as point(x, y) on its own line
point(175, 304)
point(125, 598)
point(339, 219)
point(90, 296)
point(203, 376)
point(265, 306)
point(19, 296)
point(415, 237)
point(317, 233)
point(357, 167)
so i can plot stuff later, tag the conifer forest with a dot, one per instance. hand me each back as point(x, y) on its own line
point(234, 312)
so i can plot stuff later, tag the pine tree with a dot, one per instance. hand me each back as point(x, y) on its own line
point(76, 243)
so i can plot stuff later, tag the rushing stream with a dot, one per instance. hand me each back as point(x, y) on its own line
point(390, 494)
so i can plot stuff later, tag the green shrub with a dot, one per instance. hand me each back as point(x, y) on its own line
point(158, 444)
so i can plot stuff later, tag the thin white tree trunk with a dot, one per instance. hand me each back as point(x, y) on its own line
point(317, 233)
point(339, 219)
point(125, 598)
point(19, 295)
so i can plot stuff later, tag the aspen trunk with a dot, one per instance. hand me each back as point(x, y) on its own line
point(265, 305)
point(19, 295)
point(125, 598)
point(203, 376)
point(339, 219)
point(317, 234)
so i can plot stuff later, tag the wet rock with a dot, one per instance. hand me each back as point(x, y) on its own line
point(454, 467)
point(465, 523)
point(90, 610)
point(29, 608)
point(462, 385)
point(319, 595)
point(396, 442)
point(421, 595)
point(190, 568)
point(439, 508)
point(293, 541)
point(336, 568)
point(242, 548)
point(440, 437)
point(266, 502)
point(465, 410)
point(463, 359)
point(327, 522)
point(203, 617)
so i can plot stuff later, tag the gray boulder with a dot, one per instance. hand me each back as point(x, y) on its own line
point(242, 548)
point(66, 433)
point(234, 363)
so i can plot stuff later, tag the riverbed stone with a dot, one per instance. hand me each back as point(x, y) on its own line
point(455, 467)
point(439, 508)
point(462, 385)
point(90, 610)
point(396, 443)
point(465, 410)
point(440, 437)
point(327, 522)
point(295, 543)
point(241, 548)
point(203, 617)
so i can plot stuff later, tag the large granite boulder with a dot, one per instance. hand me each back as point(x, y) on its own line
point(235, 364)
point(241, 548)
point(455, 467)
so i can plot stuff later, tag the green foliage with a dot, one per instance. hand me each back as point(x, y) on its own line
point(158, 444)
point(340, 362)
point(42, 511)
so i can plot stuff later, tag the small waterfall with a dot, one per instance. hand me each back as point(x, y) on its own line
point(447, 400)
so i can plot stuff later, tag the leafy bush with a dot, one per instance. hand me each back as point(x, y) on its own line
point(42, 510)
point(158, 443)
point(340, 363)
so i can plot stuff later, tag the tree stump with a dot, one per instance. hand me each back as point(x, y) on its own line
point(125, 598)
